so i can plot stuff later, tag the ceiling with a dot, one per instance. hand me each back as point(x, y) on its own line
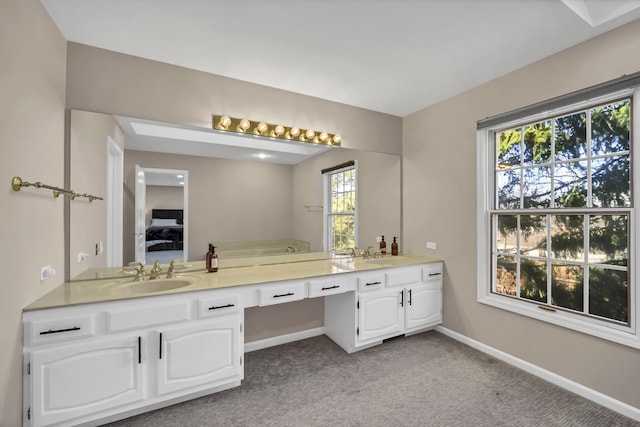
point(391, 56)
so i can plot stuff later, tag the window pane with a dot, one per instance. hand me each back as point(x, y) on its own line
point(567, 237)
point(571, 136)
point(350, 202)
point(533, 235)
point(537, 187)
point(506, 275)
point(533, 280)
point(506, 236)
point(508, 148)
point(567, 286)
point(610, 128)
point(609, 293)
point(610, 177)
point(570, 184)
point(537, 143)
point(508, 185)
point(608, 242)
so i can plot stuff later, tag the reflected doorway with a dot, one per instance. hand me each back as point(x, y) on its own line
point(161, 215)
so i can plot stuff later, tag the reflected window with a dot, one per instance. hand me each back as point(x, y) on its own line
point(341, 201)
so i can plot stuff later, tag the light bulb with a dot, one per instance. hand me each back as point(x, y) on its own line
point(324, 136)
point(278, 131)
point(309, 134)
point(261, 128)
point(243, 125)
point(295, 132)
point(224, 122)
point(337, 138)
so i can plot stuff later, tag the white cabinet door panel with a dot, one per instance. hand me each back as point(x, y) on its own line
point(87, 378)
point(423, 306)
point(205, 353)
point(380, 314)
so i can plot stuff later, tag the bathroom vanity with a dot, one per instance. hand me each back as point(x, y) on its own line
point(100, 350)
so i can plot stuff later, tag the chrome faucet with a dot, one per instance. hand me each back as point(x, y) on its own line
point(366, 254)
point(155, 271)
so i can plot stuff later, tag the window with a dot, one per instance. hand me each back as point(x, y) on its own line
point(556, 217)
point(341, 202)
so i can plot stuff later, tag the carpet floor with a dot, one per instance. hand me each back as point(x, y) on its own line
point(423, 380)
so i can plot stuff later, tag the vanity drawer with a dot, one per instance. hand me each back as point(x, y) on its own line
point(218, 306)
point(138, 317)
point(48, 331)
point(281, 292)
point(403, 276)
point(432, 272)
point(370, 282)
point(330, 286)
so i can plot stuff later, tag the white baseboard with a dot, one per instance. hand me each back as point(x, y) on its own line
point(565, 383)
point(282, 339)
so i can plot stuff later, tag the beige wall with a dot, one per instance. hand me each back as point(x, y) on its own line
point(439, 150)
point(88, 137)
point(32, 100)
point(108, 82)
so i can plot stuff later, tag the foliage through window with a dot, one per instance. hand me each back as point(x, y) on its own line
point(562, 209)
point(341, 213)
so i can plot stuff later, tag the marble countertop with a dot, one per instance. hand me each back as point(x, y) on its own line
point(248, 271)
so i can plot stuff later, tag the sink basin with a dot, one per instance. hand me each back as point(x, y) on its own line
point(149, 286)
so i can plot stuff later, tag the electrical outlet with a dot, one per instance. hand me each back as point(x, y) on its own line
point(101, 247)
point(378, 239)
point(431, 245)
point(46, 272)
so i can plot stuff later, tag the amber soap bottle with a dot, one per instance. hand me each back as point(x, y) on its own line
point(383, 246)
point(212, 259)
point(394, 247)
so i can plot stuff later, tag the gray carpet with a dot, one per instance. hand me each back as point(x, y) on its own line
point(423, 380)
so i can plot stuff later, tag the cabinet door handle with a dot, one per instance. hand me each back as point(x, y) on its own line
point(434, 274)
point(372, 283)
point(409, 296)
point(57, 331)
point(288, 294)
point(213, 307)
point(139, 350)
point(331, 287)
point(160, 349)
point(401, 298)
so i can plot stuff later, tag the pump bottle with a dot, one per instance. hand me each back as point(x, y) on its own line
point(394, 247)
point(383, 246)
point(212, 259)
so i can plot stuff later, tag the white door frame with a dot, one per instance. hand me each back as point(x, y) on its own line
point(114, 202)
point(140, 210)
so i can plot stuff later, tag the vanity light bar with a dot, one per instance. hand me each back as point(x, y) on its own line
point(268, 130)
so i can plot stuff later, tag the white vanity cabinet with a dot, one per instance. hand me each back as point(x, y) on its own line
point(387, 303)
point(96, 361)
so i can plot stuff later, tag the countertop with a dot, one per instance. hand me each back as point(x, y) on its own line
point(248, 271)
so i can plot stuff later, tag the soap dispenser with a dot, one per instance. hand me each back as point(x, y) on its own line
point(383, 246)
point(212, 259)
point(394, 247)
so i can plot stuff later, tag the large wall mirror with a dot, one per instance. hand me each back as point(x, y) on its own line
point(210, 189)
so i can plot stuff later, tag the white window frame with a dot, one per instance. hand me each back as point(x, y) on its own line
point(327, 203)
point(628, 335)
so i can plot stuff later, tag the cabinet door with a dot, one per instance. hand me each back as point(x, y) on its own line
point(81, 379)
point(380, 314)
point(424, 306)
point(206, 353)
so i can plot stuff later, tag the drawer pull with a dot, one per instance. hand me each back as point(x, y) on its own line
point(372, 283)
point(160, 349)
point(401, 298)
point(139, 350)
point(57, 331)
point(213, 307)
point(409, 296)
point(288, 294)
point(331, 287)
point(434, 274)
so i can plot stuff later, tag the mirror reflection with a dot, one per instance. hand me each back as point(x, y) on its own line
point(246, 200)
